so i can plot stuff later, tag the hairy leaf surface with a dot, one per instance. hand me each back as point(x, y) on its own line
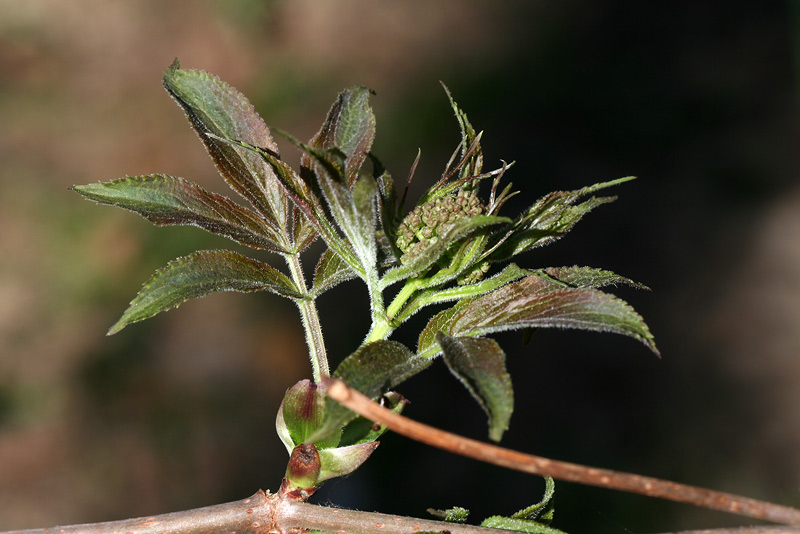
point(533, 302)
point(480, 364)
point(349, 127)
point(589, 277)
point(169, 200)
point(200, 274)
point(331, 270)
point(550, 218)
point(213, 106)
point(429, 255)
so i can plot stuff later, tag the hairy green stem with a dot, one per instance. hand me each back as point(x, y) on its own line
point(310, 318)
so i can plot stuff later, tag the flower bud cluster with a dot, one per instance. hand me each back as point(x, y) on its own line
point(427, 222)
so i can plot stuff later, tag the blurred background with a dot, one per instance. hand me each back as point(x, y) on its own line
point(697, 98)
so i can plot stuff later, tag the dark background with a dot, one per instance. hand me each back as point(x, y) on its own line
point(698, 99)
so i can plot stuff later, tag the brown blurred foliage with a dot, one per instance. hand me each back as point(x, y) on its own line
point(698, 98)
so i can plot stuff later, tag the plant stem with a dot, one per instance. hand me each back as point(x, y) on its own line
point(652, 487)
point(310, 318)
point(409, 288)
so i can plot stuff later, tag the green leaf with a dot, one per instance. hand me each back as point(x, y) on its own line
point(550, 218)
point(331, 270)
point(198, 275)
point(362, 430)
point(213, 106)
point(373, 370)
point(169, 200)
point(301, 413)
point(342, 461)
point(473, 165)
point(540, 302)
point(427, 346)
point(435, 295)
point(519, 525)
point(480, 364)
point(355, 214)
point(429, 255)
point(455, 514)
point(309, 204)
point(542, 510)
point(350, 128)
point(588, 277)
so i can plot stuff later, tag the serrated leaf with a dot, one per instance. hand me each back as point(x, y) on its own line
point(588, 277)
point(473, 164)
point(355, 214)
point(331, 270)
point(535, 301)
point(350, 128)
point(429, 255)
point(480, 364)
point(427, 346)
point(543, 510)
point(213, 106)
point(198, 275)
point(436, 296)
point(519, 525)
point(550, 218)
point(373, 369)
point(307, 201)
point(169, 200)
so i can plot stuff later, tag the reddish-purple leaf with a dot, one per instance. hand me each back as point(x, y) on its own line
point(480, 364)
point(213, 106)
point(198, 275)
point(169, 200)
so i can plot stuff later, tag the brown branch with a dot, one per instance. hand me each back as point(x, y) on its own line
point(253, 515)
point(267, 513)
point(652, 487)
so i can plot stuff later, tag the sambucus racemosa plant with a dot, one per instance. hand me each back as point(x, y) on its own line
point(453, 246)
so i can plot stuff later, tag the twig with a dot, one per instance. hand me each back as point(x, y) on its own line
point(652, 487)
point(267, 513)
point(253, 515)
point(299, 515)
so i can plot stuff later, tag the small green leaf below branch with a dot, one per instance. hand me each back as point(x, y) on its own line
point(339, 391)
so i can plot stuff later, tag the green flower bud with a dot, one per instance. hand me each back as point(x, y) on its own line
point(425, 223)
